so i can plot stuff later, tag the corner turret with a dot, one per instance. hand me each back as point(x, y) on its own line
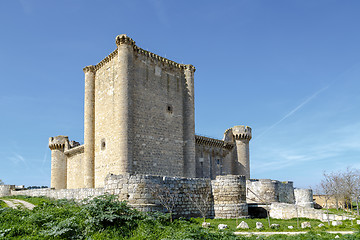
point(241, 136)
point(58, 145)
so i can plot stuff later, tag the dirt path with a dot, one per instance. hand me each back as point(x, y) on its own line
point(14, 203)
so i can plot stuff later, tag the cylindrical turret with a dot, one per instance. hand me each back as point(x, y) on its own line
point(304, 197)
point(189, 123)
point(58, 161)
point(89, 127)
point(125, 47)
point(242, 136)
point(229, 193)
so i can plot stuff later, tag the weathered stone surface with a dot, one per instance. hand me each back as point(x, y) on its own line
point(304, 197)
point(222, 226)
point(229, 196)
point(305, 225)
point(5, 190)
point(259, 225)
point(269, 191)
point(243, 225)
point(288, 211)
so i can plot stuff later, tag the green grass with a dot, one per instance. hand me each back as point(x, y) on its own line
point(2, 204)
point(105, 218)
point(34, 200)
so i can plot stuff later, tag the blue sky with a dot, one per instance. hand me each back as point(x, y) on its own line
point(289, 69)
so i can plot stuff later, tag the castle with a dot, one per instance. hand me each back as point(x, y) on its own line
point(139, 119)
point(139, 135)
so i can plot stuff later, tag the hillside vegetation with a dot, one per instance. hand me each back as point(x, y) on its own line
point(105, 218)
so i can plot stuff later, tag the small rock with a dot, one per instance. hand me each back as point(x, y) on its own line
point(274, 226)
point(290, 227)
point(259, 225)
point(305, 225)
point(243, 225)
point(205, 225)
point(336, 223)
point(357, 221)
point(337, 236)
point(222, 226)
point(321, 225)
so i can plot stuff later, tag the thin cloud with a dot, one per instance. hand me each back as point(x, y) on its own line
point(17, 159)
point(281, 158)
point(293, 111)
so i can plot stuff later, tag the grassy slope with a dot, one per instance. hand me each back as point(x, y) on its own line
point(104, 219)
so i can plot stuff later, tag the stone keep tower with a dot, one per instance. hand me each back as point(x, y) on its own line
point(138, 119)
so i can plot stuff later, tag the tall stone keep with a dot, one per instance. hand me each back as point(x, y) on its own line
point(139, 118)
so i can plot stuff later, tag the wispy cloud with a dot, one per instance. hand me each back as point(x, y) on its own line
point(327, 147)
point(19, 160)
point(293, 111)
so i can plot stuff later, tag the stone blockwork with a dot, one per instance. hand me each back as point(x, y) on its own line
point(304, 197)
point(76, 194)
point(144, 191)
point(213, 157)
point(5, 190)
point(230, 196)
point(288, 211)
point(269, 191)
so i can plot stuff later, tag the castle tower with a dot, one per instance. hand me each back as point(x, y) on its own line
point(58, 145)
point(242, 136)
point(89, 127)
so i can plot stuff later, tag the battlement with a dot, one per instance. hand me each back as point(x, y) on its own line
point(201, 140)
point(241, 132)
point(58, 142)
point(124, 39)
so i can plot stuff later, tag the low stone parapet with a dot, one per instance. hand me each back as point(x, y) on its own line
point(288, 211)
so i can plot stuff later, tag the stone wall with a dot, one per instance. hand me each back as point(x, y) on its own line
point(145, 191)
point(304, 197)
point(76, 194)
point(288, 211)
point(229, 194)
point(269, 191)
point(5, 190)
point(75, 177)
point(213, 157)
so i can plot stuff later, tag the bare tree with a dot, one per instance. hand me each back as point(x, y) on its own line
point(166, 197)
point(357, 190)
point(201, 200)
point(325, 190)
